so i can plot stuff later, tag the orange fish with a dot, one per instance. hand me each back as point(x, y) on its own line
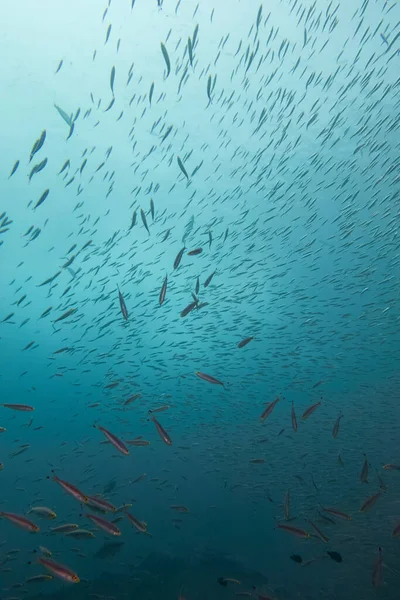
point(21, 407)
point(337, 513)
point(60, 571)
point(319, 533)
point(369, 503)
point(268, 410)
point(119, 444)
point(140, 525)
point(20, 521)
point(310, 410)
point(103, 524)
point(161, 431)
point(100, 504)
point(336, 426)
point(294, 530)
point(71, 489)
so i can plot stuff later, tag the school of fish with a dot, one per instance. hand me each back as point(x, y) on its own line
point(200, 267)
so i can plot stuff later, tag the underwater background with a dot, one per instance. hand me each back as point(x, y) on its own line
point(199, 317)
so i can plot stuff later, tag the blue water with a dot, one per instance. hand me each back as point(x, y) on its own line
point(285, 119)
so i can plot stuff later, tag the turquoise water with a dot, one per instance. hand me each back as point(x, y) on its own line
point(232, 171)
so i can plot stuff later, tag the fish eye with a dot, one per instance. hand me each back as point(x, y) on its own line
point(75, 579)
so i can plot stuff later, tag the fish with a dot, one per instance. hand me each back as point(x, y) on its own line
point(19, 407)
point(152, 211)
point(337, 513)
point(42, 198)
point(225, 580)
point(319, 533)
point(209, 279)
point(195, 252)
point(43, 511)
point(39, 578)
point(301, 533)
point(310, 410)
point(60, 571)
point(335, 430)
point(244, 342)
point(140, 525)
point(100, 504)
point(71, 489)
point(14, 169)
point(38, 145)
point(151, 92)
point(144, 220)
point(166, 58)
point(161, 431)
point(65, 315)
point(163, 291)
point(122, 305)
point(20, 521)
point(334, 556)
point(108, 32)
point(112, 79)
point(37, 168)
point(269, 408)
point(64, 115)
point(65, 528)
point(178, 258)
point(103, 524)
point(369, 502)
point(209, 378)
point(60, 64)
point(182, 167)
point(115, 441)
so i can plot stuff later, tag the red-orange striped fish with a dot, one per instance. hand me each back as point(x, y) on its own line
point(268, 410)
point(309, 411)
point(116, 442)
point(369, 502)
point(335, 430)
point(319, 533)
point(71, 489)
point(100, 504)
point(391, 467)
point(140, 525)
point(337, 513)
point(294, 530)
point(161, 431)
point(209, 378)
point(20, 407)
point(62, 572)
point(20, 521)
point(103, 524)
